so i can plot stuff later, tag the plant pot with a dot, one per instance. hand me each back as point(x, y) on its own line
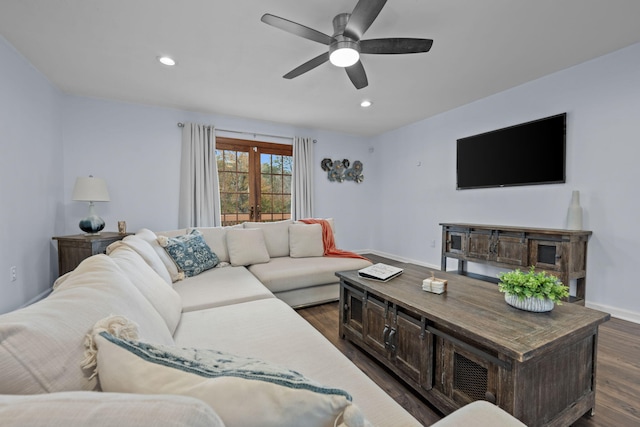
point(536, 305)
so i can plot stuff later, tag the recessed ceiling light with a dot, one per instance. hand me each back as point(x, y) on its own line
point(165, 60)
point(365, 104)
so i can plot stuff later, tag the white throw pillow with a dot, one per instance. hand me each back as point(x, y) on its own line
point(276, 236)
point(246, 246)
point(331, 222)
point(305, 240)
point(243, 391)
point(152, 238)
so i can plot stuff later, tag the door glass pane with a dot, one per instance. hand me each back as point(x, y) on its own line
point(272, 175)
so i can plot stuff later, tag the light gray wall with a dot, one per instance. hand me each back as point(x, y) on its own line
point(136, 149)
point(602, 101)
point(31, 165)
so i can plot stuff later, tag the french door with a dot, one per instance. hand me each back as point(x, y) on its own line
point(255, 180)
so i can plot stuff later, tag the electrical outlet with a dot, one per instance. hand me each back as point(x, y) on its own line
point(433, 243)
point(13, 273)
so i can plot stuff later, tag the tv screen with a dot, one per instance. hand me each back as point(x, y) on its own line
point(525, 154)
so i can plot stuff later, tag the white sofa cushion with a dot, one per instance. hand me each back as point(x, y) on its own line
point(276, 236)
point(243, 391)
point(256, 328)
point(173, 233)
point(286, 273)
point(246, 246)
point(152, 239)
point(220, 286)
point(87, 408)
point(158, 292)
point(41, 346)
point(216, 238)
point(305, 240)
point(146, 251)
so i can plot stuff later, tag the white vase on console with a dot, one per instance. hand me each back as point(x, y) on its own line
point(574, 216)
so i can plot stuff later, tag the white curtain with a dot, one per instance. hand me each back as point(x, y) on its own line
point(199, 204)
point(302, 180)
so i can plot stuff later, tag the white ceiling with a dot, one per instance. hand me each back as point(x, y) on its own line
point(231, 63)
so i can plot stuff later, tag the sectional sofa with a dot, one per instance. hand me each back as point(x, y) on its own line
point(128, 338)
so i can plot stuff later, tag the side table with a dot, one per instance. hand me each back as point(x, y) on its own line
point(73, 249)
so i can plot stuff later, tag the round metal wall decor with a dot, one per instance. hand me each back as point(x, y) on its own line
point(343, 170)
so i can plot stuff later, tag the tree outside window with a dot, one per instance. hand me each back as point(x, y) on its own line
point(255, 180)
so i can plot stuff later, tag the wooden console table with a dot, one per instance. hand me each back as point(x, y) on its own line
point(562, 253)
point(468, 344)
point(72, 250)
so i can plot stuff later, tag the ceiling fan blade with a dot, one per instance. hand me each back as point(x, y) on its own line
point(357, 75)
point(307, 66)
point(363, 15)
point(297, 29)
point(395, 45)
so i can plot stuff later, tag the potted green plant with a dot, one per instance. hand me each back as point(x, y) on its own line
point(532, 291)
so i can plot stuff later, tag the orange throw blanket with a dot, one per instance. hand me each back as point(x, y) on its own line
point(328, 240)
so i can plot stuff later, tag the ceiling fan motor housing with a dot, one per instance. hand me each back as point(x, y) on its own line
point(343, 42)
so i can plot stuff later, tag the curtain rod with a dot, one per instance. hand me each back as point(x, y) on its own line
point(180, 125)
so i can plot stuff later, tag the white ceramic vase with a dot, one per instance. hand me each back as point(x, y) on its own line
point(536, 305)
point(574, 216)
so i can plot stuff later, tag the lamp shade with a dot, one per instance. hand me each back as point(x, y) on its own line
point(90, 189)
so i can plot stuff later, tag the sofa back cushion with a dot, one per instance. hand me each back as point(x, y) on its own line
point(146, 251)
point(216, 238)
point(158, 292)
point(152, 239)
point(276, 236)
point(42, 345)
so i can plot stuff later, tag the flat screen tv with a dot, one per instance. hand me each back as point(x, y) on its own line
point(525, 154)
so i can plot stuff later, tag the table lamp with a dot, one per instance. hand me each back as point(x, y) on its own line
point(90, 189)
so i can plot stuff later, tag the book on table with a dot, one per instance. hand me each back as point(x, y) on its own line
point(380, 271)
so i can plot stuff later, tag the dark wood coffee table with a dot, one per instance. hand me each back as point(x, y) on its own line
point(468, 344)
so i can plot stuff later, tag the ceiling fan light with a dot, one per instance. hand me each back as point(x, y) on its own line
point(344, 57)
point(344, 52)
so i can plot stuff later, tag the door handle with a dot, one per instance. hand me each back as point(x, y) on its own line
point(385, 336)
point(392, 340)
point(251, 212)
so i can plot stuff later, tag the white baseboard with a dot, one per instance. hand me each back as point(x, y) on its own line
point(618, 313)
point(401, 259)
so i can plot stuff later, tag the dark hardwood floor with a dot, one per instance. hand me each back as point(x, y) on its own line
point(618, 370)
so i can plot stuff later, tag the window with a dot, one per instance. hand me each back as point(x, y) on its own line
point(255, 180)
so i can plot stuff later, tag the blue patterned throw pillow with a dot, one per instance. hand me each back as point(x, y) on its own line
point(191, 253)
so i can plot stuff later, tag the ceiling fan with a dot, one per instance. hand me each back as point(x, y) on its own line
point(345, 45)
